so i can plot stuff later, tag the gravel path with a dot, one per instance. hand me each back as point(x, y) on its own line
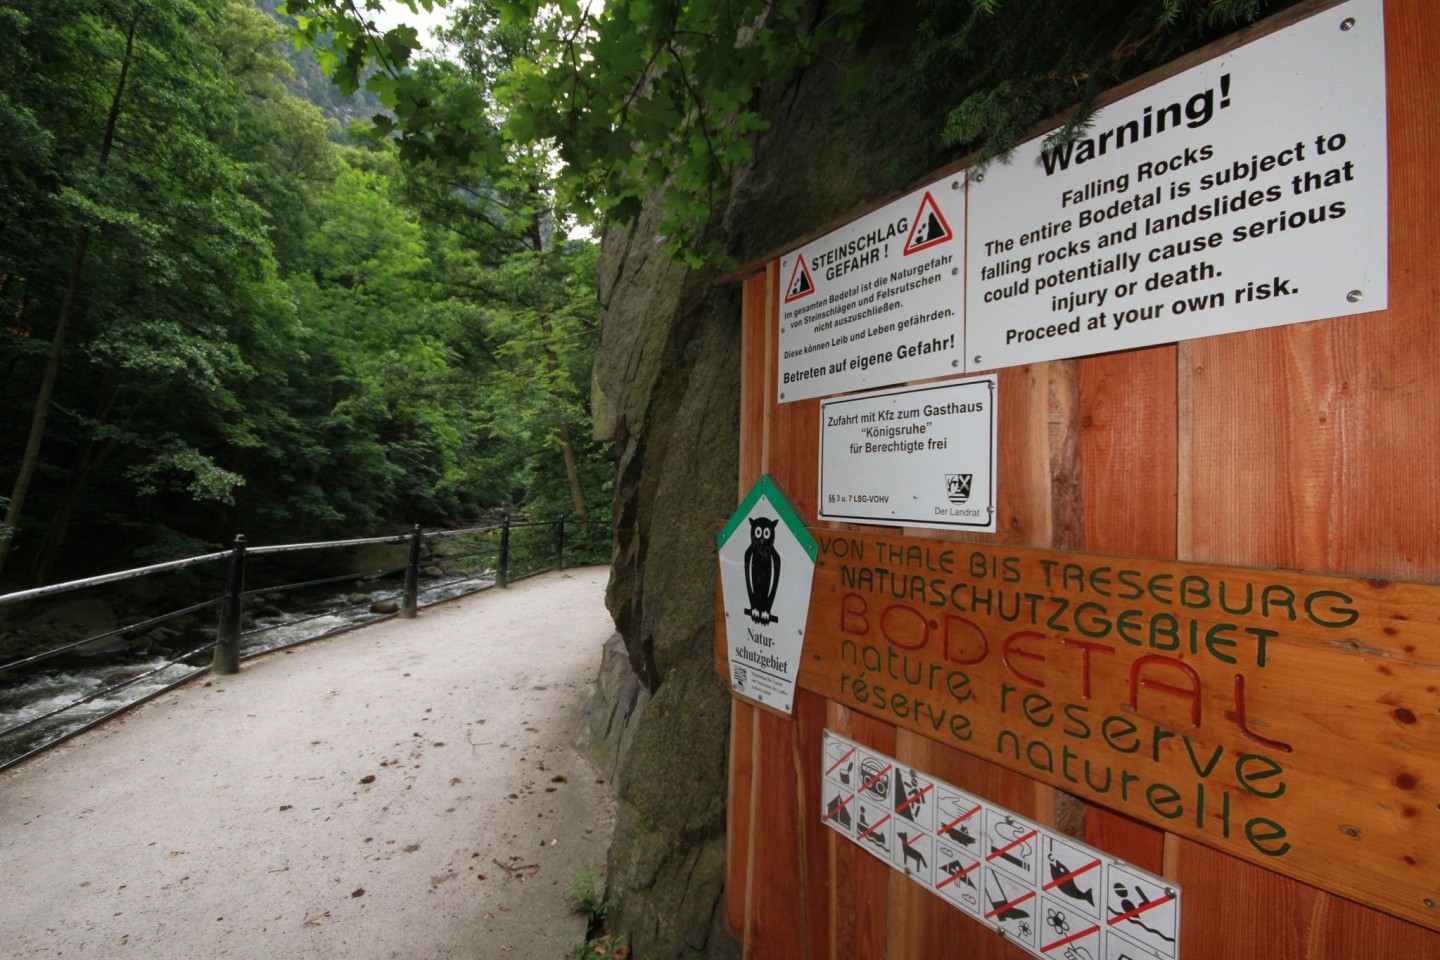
point(411, 789)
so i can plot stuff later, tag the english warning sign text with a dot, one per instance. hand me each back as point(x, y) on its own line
point(1247, 192)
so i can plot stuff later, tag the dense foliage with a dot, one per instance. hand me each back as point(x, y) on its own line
point(222, 312)
point(217, 316)
point(639, 95)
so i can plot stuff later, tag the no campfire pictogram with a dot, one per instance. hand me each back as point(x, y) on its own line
point(800, 285)
point(929, 228)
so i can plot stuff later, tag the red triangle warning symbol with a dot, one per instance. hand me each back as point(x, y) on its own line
point(800, 285)
point(929, 228)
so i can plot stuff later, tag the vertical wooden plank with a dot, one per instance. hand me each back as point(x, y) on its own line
point(774, 928)
point(744, 732)
point(786, 905)
point(1306, 446)
point(1128, 436)
point(755, 372)
point(860, 884)
point(815, 837)
point(1128, 431)
point(739, 815)
point(1039, 504)
point(1023, 457)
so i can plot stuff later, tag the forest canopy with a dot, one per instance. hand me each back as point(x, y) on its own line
point(223, 311)
point(269, 267)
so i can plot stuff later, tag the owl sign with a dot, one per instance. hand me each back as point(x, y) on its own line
point(767, 560)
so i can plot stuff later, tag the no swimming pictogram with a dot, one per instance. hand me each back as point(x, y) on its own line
point(929, 228)
point(800, 285)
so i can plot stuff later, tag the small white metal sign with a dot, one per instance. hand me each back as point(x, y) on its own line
point(1046, 892)
point(916, 456)
point(767, 563)
point(877, 301)
point(1248, 192)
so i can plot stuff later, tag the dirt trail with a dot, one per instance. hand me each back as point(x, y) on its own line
point(409, 790)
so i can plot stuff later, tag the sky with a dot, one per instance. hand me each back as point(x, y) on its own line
point(396, 13)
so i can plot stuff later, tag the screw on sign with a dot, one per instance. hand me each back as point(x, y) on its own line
point(913, 798)
point(1072, 876)
point(1011, 846)
point(914, 853)
point(1010, 905)
point(958, 817)
point(1143, 912)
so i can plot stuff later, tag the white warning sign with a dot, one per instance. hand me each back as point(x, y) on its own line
point(1250, 191)
point(1046, 892)
point(878, 301)
point(913, 456)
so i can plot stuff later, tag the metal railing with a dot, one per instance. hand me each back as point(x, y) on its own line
point(438, 565)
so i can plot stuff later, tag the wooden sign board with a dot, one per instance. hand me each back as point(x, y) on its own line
point(1284, 718)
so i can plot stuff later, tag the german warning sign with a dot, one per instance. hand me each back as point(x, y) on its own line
point(1046, 892)
point(878, 301)
point(767, 561)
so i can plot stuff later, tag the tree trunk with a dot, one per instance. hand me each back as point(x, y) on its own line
point(572, 473)
point(31, 457)
point(87, 464)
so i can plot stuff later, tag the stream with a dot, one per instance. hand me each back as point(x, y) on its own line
point(51, 685)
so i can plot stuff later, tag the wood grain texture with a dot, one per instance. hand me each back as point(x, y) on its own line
point(755, 383)
point(861, 889)
point(738, 813)
point(775, 924)
point(744, 731)
point(1313, 446)
point(810, 717)
point(1305, 447)
point(1128, 436)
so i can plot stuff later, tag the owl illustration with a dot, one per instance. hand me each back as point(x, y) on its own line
point(762, 570)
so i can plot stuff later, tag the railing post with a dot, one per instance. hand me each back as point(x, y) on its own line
point(410, 600)
point(560, 545)
point(226, 658)
point(502, 571)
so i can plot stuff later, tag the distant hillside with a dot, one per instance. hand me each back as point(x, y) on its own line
point(310, 83)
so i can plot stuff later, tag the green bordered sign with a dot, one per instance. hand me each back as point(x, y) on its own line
point(767, 562)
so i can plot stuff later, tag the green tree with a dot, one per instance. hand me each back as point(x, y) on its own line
point(638, 96)
point(130, 232)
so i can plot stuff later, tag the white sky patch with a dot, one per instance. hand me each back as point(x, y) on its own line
point(396, 13)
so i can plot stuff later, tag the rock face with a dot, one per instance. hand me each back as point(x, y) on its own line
point(666, 392)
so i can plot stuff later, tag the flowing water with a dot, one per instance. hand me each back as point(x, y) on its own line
point(53, 684)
